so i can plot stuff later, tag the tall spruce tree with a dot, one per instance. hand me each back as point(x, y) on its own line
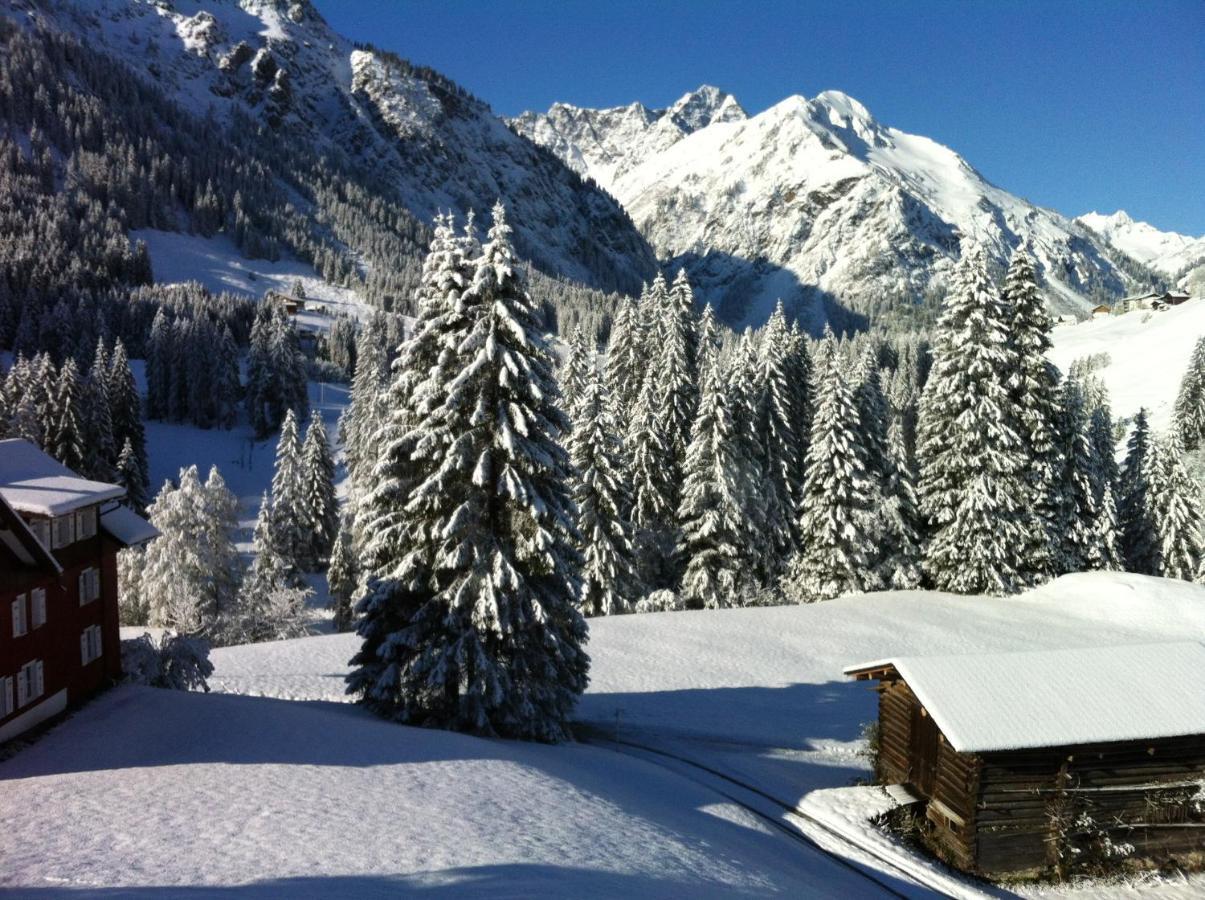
point(609, 583)
point(715, 542)
point(1034, 389)
point(1190, 401)
point(66, 438)
point(779, 417)
point(289, 524)
point(476, 626)
point(1175, 507)
point(317, 501)
point(836, 526)
point(1139, 543)
point(624, 363)
point(129, 476)
point(900, 517)
point(1076, 507)
point(342, 577)
point(973, 483)
point(575, 372)
point(126, 407)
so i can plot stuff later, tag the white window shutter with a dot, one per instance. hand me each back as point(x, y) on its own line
point(7, 700)
point(17, 617)
point(37, 599)
point(83, 587)
point(22, 686)
point(99, 638)
point(38, 684)
point(96, 584)
point(83, 648)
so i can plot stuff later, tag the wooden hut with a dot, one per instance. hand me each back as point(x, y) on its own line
point(1042, 761)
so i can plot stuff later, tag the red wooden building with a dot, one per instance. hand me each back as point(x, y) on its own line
point(59, 537)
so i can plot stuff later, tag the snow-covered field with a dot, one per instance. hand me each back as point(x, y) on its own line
point(217, 264)
point(275, 783)
point(1148, 355)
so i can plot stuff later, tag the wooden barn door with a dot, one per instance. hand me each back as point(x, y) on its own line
point(924, 752)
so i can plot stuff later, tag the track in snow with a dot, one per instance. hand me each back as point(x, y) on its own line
point(925, 882)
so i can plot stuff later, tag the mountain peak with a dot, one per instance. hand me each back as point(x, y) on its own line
point(843, 105)
point(704, 105)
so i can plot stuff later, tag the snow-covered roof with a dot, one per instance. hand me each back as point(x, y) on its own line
point(33, 482)
point(1053, 698)
point(127, 526)
point(20, 543)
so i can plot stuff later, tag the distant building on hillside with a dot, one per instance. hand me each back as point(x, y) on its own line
point(292, 304)
point(1102, 310)
point(1027, 761)
point(59, 537)
point(1154, 300)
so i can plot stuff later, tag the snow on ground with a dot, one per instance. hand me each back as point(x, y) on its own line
point(758, 693)
point(146, 792)
point(1148, 355)
point(155, 789)
point(217, 264)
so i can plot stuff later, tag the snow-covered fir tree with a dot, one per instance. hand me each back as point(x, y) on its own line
point(900, 516)
point(836, 525)
point(270, 606)
point(609, 583)
point(276, 381)
point(318, 504)
point(185, 579)
point(1076, 507)
point(474, 625)
point(1139, 543)
point(342, 577)
point(65, 437)
point(716, 544)
point(1190, 401)
point(575, 372)
point(290, 527)
point(129, 476)
point(650, 459)
point(126, 411)
point(1175, 507)
point(674, 349)
point(98, 418)
point(973, 463)
point(778, 419)
point(1034, 388)
point(624, 365)
point(1105, 551)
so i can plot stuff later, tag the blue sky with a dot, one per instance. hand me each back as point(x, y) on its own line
point(1073, 105)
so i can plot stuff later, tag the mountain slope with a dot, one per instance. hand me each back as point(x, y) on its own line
point(280, 66)
point(815, 200)
point(1171, 254)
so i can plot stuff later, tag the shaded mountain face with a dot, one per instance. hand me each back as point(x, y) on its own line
point(281, 64)
point(818, 203)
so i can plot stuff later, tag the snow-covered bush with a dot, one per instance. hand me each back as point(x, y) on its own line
point(660, 601)
point(175, 661)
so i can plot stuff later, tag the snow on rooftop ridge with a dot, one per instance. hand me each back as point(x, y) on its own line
point(35, 483)
point(987, 702)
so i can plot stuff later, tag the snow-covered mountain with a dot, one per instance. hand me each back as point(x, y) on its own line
point(280, 64)
point(814, 200)
point(608, 143)
point(1167, 252)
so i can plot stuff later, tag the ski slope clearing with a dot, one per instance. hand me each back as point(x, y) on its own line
point(1148, 354)
point(217, 264)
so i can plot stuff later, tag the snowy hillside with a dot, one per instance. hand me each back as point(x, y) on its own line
point(1145, 355)
point(1166, 252)
point(282, 66)
point(148, 788)
point(815, 200)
